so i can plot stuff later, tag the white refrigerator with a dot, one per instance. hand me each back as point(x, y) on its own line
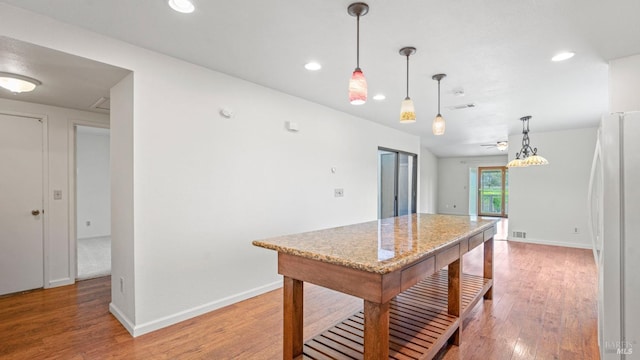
point(614, 204)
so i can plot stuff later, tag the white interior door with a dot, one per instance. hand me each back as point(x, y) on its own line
point(21, 204)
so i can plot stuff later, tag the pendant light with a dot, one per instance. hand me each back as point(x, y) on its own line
point(407, 110)
point(527, 156)
point(358, 83)
point(438, 123)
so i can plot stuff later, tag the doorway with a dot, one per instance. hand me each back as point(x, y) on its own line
point(493, 193)
point(397, 179)
point(93, 202)
point(22, 202)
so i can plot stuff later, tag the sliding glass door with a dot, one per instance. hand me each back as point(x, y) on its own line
point(493, 191)
point(397, 181)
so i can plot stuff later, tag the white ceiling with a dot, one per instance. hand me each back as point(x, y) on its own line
point(498, 51)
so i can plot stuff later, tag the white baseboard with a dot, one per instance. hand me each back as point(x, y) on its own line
point(549, 242)
point(94, 237)
point(60, 282)
point(124, 320)
point(163, 322)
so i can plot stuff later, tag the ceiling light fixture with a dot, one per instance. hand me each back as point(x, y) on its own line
point(438, 123)
point(502, 145)
point(527, 155)
point(183, 6)
point(358, 83)
point(407, 110)
point(379, 97)
point(18, 83)
point(312, 66)
point(563, 56)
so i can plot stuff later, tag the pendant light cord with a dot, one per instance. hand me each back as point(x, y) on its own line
point(438, 97)
point(358, 42)
point(407, 76)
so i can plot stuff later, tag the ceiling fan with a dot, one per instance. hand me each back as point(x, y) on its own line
point(500, 145)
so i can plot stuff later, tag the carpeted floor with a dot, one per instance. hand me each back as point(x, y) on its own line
point(94, 257)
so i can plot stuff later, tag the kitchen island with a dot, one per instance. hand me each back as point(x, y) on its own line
point(412, 305)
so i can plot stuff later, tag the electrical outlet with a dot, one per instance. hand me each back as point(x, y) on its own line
point(338, 192)
point(122, 285)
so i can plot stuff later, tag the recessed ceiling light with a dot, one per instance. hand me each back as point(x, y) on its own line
point(379, 97)
point(18, 83)
point(312, 66)
point(563, 56)
point(183, 6)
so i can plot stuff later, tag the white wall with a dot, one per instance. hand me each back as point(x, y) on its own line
point(453, 181)
point(93, 182)
point(204, 186)
point(58, 244)
point(624, 84)
point(123, 292)
point(548, 202)
point(428, 187)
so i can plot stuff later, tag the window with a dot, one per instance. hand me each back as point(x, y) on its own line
point(493, 193)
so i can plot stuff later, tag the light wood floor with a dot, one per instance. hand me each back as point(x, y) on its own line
point(543, 308)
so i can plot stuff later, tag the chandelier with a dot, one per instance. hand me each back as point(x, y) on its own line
point(527, 155)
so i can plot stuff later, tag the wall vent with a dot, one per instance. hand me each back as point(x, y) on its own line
point(463, 106)
point(520, 234)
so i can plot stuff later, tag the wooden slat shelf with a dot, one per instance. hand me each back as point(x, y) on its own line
point(419, 325)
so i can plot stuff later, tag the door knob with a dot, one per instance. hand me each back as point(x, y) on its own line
point(35, 212)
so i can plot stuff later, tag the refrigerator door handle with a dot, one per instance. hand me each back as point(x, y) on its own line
point(592, 179)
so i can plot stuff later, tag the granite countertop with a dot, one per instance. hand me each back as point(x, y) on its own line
point(380, 246)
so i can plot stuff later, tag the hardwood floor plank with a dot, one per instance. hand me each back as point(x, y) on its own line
point(543, 307)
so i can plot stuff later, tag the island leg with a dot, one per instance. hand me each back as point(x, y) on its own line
point(455, 296)
point(293, 318)
point(376, 330)
point(488, 266)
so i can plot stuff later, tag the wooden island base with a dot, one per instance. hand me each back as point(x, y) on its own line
point(419, 324)
point(412, 307)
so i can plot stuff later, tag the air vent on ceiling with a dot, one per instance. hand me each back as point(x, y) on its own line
point(463, 106)
point(104, 104)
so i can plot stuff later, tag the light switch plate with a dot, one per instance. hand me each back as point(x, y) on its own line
point(338, 192)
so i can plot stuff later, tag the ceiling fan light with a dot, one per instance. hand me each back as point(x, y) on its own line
point(535, 160)
point(17, 83)
point(407, 112)
point(502, 145)
point(357, 88)
point(438, 125)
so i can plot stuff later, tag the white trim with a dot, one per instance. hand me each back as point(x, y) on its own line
point(73, 221)
point(124, 320)
point(61, 282)
point(46, 245)
point(195, 311)
point(550, 242)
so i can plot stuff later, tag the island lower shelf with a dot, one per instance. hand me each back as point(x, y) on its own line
point(419, 325)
